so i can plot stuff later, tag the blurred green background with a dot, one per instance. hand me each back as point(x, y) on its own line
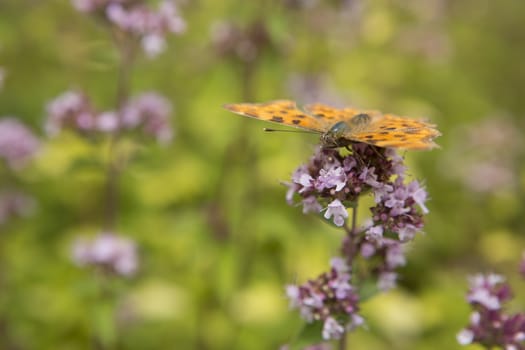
point(217, 241)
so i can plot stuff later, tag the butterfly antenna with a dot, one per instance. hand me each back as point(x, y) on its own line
point(299, 131)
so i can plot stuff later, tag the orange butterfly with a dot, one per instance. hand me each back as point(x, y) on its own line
point(341, 127)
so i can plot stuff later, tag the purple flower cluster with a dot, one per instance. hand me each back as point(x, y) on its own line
point(90, 6)
point(330, 298)
point(396, 210)
point(148, 112)
point(245, 44)
point(108, 251)
point(310, 88)
point(489, 325)
point(14, 203)
point(17, 143)
point(384, 256)
point(493, 148)
point(137, 19)
point(331, 180)
point(321, 346)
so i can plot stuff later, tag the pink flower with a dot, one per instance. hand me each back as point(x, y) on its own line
point(338, 211)
point(151, 112)
point(17, 143)
point(109, 251)
point(70, 109)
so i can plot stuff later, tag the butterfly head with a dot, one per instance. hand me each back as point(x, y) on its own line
point(334, 137)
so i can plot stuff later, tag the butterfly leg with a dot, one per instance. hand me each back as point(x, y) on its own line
point(378, 153)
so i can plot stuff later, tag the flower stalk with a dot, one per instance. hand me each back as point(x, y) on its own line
point(333, 181)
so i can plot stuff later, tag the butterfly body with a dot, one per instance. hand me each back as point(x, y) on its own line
point(335, 136)
point(341, 127)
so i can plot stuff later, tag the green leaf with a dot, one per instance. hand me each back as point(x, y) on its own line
point(309, 334)
point(367, 290)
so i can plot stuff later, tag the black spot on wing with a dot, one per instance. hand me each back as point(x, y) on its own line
point(277, 119)
point(296, 121)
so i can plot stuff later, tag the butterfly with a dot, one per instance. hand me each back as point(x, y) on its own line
point(340, 127)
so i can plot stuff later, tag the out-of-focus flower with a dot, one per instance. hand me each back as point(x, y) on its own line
point(316, 5)
point(108, 251)
point(71, 109)
point(329, 298)
point(148, 112)
point(89, 6)
point(312, 88)
point(149, 25)
point(107, 122)
point(491, 150)
point(429, 42)
point(489, 325)
point(17, 143)
point(151, 112)
point(245, 44)
point(321, 346)
point(138, 19)
point(14, 203)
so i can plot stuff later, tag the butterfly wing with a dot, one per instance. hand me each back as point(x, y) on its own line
point(327, 114)
point(372, 127)
point(387, 130)
point(283, 112)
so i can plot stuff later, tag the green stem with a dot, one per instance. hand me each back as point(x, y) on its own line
point(111, 191)
point(126, 53)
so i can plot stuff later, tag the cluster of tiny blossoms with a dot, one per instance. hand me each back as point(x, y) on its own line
point(333, 181)
point(245, 44)
point(139, 20)
point(17, 143)
point(329, 298)
point(489, 325)
point(330, 180)
point(148, 112)
point(109, 252)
